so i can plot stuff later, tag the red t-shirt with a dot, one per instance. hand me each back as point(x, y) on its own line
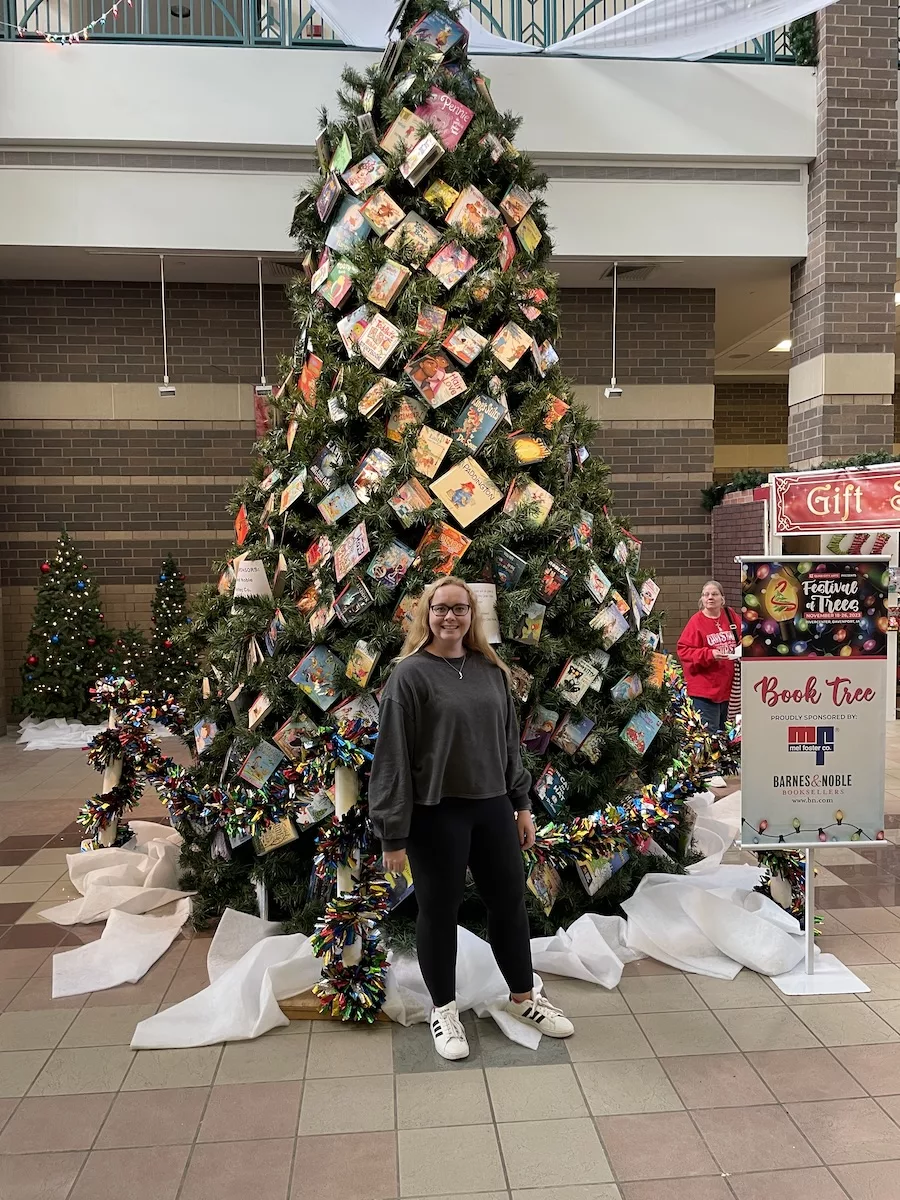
point(707, 677)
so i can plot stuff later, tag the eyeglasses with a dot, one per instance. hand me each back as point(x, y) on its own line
point(441, 610)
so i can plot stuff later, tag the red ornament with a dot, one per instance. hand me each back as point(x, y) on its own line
point(168, 643)
point(101, 616)
point(45, 568)
point(32, 660)
point(92, 641)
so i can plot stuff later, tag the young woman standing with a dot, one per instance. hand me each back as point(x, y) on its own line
point(707, 648)
point(448, 788)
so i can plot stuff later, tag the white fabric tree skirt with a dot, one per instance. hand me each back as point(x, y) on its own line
point(60, 734)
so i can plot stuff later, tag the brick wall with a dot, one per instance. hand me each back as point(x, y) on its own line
point(752, 411)
point(737, 528)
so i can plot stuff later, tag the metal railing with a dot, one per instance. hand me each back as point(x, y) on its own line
point(296, 22)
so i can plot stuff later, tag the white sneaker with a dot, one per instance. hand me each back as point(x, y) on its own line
point(448, 1033)
point(542, 1015)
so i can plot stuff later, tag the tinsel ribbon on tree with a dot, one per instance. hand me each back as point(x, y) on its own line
point(353, 991)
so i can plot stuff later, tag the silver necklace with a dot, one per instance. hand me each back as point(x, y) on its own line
point(459, 669)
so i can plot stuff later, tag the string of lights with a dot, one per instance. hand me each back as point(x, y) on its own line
point(857, 834)
point(74, 36)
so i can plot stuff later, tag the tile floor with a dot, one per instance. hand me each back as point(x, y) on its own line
point(674, 1087)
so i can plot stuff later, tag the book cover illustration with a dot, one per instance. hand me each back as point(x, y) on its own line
point(296, 736)
point(351, 328)
point(431, 319)
point(320, 274)
point(628, 688)
point(260, 764)
point(374, 396)
point(648, 638)
point(388, 283)
point(326, 462)
point(309, 375)
point(582, 535)
point(409, 500)
point(486, 603)
point(338, 283)
point(409, 411)
point(509, 343)
point(258, 709)
point(520, 682)
point(434, 379)
point(592, 746)
point(204, 732)
point(600, 659)
point(328, 197)
point(572, 732)
point(544, 883)
point(507, 250)
point(317, 555)
point(314, 809)
point(429, 450)
point(371, 473)
point(400, 885)
point(451, 264)
point(634, 598)
point(529, 632)
point(472, 211)
point(597, 871)
point(316, 675)
point(349, 227)
point(351, 550)
point(551, 789)
point(438, 31)
point(528, 449)
point(556, 411)
point(337, 504)
point(641, 730)
point(530, 499)
point(476, 421)
point(361, 663)
point(268, 482)
point(274, 836)
point(576, 678)
point(241, 525)
point(449, 117)
point(544, 356)
point(238, 702)
point(508, 568)
point(450, 543)
point(610, 623)
point(553, 579)
point(323, 151)
point(403, 613)
point(515, 204)
point(391, 564)
point(340, 160)
point(626, 547)
point(597, 583)
point(539, 727)
point(649, 593)
point(528, 234)
point(364, 174)
point(403, 133)
point(353, 601)
point(620, 602)
point(657, 670)
point(441, 194)
point(321, 617)
point(493, 145)
point(531, 308)
point(415, 236)
point(274, 631)
point(465, 344)
point(362, 707)
point(423, 156)
point(466, 491)
point(378, 341)
point(382, 212)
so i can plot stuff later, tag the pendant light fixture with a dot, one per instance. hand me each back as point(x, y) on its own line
point(614, 391)
point(167, 389)
point(262, 388)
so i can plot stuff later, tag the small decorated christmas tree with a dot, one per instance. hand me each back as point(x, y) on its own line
point(130, 658)
point(170, 660)
point(69, 644)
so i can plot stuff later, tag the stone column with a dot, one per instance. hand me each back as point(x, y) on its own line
point(842, 295)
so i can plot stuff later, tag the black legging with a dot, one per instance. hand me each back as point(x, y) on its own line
point(444, 839)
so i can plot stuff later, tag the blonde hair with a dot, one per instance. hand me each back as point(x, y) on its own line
point(712, 583)
point(475, 639)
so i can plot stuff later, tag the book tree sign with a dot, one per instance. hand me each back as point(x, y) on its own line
point(816, 501)
point(814, 696)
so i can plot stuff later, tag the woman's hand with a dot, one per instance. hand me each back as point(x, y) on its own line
point(525, 826)
point(394, 861)
point(719, 652)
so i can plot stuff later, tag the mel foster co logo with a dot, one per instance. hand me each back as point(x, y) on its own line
point(816, 739)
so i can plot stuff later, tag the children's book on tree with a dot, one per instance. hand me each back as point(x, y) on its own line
point(403, 133)
point(382, 212)
point(336, 287)
point(241, 525)
point(433, 377)
point(204, 732)
point(361, 707)
point(351, 328)
point(337, 503)
point(373, 398)
point(544, 882)
point(592, 746)
point(576, 677)
point(388, 283)
point(291, 432)
point(364, 174)
point(323, 151)
point(626, 547)
point(471, 211)
point(551, 789)
point(449, 117)
point(328, 197)
point(465, 344)
point(321, 617)
point(538, 731)
point(429, 450)
point(486, 603)
point(316, 675)
point(507, 249)
point(544, 356)
point(403, 613)
point(319, 553)
point(326, 462)
point(528, 496)
point(269, 480)
point(296, 736)
point(595, 873)
point(275, 629)
point(409, 500)
point(320, 274)
point(423, 156)
point(528, 449)
point(260, 764)
point(610, 623)
point(258, 709)
point(408, 411)
point(378, 341)
point(415, 236)
point(466, 491)
point(641, 730)
point(600, 659)
point(620, 602)
point(508, 567)
point(528, 234)
point(476, 421)
point(582, 535)
point(292, 492)
point(531, 309)
point(309, 599)
point(597, 583)
point(274, 836)
point(371, 473)
point(441, 194)
point(557, 409)
point(361, 663)
point(431, 319)
point(648, 638)
point(348, 228)
point(391, 564)
point(509, 343)
point(251, 580)
point(451, 543)
point(309, 374)
point(657, 670)
point(529, 631)
point(649, 594)
point(450, 264)
point(571, 732)
point(634, 598)
point(238, 701)
point(628, 687)
point(353, 601)
point(553, 579)
point(351, 550)
point(520, 682)
point(515, 204)
point(313, 809)
point(439, 31)
point(340, 160)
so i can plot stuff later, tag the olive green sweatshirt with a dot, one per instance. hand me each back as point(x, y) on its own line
point(439, 735)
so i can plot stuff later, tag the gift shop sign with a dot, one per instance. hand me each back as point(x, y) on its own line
point(816, 501)
point(814, 701)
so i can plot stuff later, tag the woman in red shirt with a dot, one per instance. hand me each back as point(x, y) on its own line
point(707, 648)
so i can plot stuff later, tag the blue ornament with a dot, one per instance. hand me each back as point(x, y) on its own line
point(81, 585)
point(29, 678)
point(188, 621)
point(162, 579)
point(55, 639)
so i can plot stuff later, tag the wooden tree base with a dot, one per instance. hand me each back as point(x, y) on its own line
point(305, 1007)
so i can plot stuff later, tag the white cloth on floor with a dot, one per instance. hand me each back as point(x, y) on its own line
point(61, 734)
point(135, 878)
point(124, 952)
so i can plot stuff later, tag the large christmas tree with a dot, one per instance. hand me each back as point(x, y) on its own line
point(69, 643)
point(424, 426)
